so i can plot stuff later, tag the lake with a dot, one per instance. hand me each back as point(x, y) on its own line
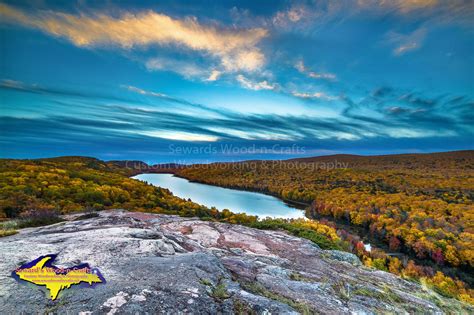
point(224, 198)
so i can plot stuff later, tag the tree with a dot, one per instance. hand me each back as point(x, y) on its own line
point(394, 244)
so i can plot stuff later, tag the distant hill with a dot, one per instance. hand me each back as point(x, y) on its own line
point(142, 167)
point(459, 160)
point(450, 160)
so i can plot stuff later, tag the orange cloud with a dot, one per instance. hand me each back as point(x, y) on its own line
point(144, 29)
point(214, 75)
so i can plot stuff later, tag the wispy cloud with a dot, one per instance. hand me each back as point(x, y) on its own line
point(253, 85)
point(187, 69)
point(13, 84)
point(405, 43)
point(180, 136)
point(294, 14)
point(300, 66)
point(143, 92)
point(235, 48)
point(187, 105)
point(385, 117)
point(399, 111)
point(315, 95)
point(38, 89)
point(402, 6)
point(440, 11)
point(305, 17)
point(249, 60)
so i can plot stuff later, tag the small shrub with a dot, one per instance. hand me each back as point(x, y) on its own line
point(34, 218)
point(342, 290)
point(89, 215)
point(4, 233)
point(258, 289)
point(219, 292)
point(206, 282)
point(242, 308)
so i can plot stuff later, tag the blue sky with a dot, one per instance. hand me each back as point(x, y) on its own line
point(187, 81)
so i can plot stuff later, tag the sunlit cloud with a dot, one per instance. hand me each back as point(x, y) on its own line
point(180, 136)
point(314, 65)
point(145, 29)
point(246, 60)
point(252, 85)
point(214, 75)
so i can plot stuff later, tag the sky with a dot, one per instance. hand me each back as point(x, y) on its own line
point(203, 81)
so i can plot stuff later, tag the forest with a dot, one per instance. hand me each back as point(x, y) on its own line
point(419, 205)
point(36, 192)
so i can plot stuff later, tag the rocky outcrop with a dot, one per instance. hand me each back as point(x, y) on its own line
point(168, 264)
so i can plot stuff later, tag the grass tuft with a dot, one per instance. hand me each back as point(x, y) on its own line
point(258, 289)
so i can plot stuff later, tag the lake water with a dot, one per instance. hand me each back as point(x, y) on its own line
point(224, 198)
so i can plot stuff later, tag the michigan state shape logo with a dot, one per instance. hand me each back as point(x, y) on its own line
point(42, 272)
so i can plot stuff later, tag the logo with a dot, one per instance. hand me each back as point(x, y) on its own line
point(42, 272)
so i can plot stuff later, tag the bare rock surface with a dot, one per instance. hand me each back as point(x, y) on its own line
point(172, 265)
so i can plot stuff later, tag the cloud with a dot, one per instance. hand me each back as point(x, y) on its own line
point(34, 88)
point(396, 110)
point(406, 47)
point(147, 28)
point(143, 92)
point(307, 17)
point(184, 68)
point(184, 104)
point(214, 75)
point(386, 118)
point(402, 6)
point(416, 100)
point(180, 136)
point(399, 111)
point(405, 43)
point(315, 75)
point(382, 91)
point(460, 12)
point(316, 95)
point(12, 84)
point(304, 17)
point(246, 60)
point(251, 85)
point(287, 18)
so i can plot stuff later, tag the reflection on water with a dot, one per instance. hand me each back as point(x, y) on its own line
point(224, 198)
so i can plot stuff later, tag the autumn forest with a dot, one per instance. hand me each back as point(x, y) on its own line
point(417, 209)
point(419, 205)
